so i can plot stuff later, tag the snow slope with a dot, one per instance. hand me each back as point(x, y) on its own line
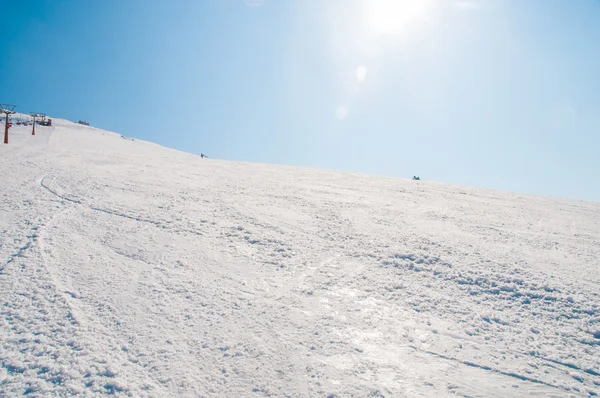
point(135, 270)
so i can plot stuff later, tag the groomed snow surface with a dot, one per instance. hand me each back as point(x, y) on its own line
point(130, 269)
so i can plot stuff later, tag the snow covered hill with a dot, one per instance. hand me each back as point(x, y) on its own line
point(130, 269)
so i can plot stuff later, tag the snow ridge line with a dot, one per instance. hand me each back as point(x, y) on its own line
point(490, 369)
point(47, 187)
point(589, 371)
point(134, 218)
point(32, 239)
point(158, 224)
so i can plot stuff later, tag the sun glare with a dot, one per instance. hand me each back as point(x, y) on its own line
point(391, 16)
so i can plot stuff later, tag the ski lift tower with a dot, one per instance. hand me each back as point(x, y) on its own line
point(7, 109)
point(35, 116)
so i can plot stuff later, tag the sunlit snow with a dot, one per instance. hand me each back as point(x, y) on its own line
point(130, 269)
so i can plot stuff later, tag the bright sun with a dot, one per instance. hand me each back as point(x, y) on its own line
point(391, 16)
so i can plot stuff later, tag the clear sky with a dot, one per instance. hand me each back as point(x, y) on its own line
point(503, 94)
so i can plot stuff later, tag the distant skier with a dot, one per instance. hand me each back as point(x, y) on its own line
point(202, 155)
point(416, 178)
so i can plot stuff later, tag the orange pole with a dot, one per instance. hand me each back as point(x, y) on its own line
point(6, 130)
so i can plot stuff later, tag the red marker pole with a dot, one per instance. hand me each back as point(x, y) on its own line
point(6, 130)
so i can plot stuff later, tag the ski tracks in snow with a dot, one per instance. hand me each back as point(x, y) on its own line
point(134, 270)
point(45, 349)
point(141, 219)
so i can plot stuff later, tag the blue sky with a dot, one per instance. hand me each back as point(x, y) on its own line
point(503, 94)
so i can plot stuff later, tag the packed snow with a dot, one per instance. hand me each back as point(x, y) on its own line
point(130, 269)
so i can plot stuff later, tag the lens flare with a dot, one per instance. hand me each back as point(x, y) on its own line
point(391, 16)
point(361, 73)
point(341, 112)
